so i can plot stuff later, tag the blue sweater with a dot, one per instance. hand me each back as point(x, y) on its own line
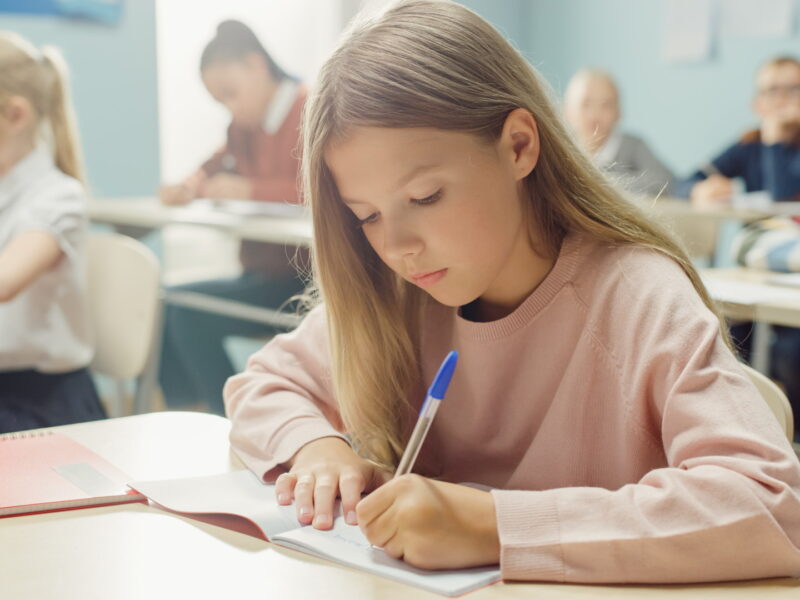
point(774, 168)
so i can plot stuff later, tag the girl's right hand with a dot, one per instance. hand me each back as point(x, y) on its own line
point(184, 192)
point(712, 192)
point(321, 470)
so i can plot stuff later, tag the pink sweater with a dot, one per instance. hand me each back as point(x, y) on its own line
point(624, 442)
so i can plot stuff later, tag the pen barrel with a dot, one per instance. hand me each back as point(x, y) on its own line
point(417, 437)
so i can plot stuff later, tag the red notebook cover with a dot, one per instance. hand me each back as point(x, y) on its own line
point(44, 471)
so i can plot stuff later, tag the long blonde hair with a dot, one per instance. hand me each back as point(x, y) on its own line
point(432, 64)
point(40, 76)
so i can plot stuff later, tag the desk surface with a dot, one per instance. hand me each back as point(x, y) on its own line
point(148, 212)
point(135, 551)
point(746, 294)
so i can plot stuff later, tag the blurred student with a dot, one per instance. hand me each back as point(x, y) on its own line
point(259, 161)
point(592, 109)
point(767, 158)
point(45, 343)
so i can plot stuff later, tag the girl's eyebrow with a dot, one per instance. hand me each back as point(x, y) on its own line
point(416, 172)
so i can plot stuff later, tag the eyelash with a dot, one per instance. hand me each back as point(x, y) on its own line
point(419, 201)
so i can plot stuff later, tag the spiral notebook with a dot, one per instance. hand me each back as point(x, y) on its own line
point(46, 471)
point(242, 493)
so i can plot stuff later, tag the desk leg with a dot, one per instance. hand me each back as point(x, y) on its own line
point(146, 382)
point(762, 336)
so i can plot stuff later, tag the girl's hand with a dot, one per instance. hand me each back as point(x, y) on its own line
point(712, 192)
point(224, 186)
point(184, 192)
point(432, 524)
point(320, 471)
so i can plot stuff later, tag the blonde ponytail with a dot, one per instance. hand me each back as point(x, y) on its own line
point(68, 156)
point(41, 78)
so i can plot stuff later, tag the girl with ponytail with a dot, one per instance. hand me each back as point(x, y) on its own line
point(45, 343)
point(258, 162)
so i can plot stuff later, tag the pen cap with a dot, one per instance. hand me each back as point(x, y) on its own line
point(443, 376)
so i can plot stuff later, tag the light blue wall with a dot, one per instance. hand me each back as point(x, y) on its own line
point(687, 112)
point(114, 91)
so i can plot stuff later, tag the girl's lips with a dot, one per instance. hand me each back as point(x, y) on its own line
point(428, 279)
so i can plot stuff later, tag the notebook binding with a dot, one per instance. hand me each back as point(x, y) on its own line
point(4, 437)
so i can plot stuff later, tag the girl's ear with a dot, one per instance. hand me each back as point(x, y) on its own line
point(520, 142)
point(18, 113)
point(255, 62)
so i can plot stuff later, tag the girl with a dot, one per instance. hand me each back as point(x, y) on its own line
point(595, 392)
point(45, 345)
point(257, 162)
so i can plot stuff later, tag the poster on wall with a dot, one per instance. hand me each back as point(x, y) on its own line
point(105, 11)
point(688, 31)
point(757, 18)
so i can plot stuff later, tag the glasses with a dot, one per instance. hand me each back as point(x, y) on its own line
point(789, 91)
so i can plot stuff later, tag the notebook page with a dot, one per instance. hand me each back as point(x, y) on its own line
point(237, 493)
point(347, 545)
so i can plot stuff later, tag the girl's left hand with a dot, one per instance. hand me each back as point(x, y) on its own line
point(431, 524)
point(224, 186)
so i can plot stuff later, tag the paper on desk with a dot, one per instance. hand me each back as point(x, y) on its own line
point(747, 293)
point(242, 493)
point(250, 208)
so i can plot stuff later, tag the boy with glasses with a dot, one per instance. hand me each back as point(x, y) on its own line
point(768, 158)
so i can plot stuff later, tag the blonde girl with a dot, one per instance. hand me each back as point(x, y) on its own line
point(595, 393)
point(45, 344)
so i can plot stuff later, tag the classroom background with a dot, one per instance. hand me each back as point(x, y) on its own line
point(146, 119)
point(121, 71)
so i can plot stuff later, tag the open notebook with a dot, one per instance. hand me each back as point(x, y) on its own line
point(241, 493)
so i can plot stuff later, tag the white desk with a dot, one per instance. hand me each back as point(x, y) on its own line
point(744, 294)
point(149, 213)
point(137, 552)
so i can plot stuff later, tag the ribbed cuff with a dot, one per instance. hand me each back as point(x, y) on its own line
point(530, 536)
point(266, 464)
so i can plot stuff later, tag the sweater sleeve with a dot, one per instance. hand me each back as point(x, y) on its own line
point(283, 399)
point(727, 504)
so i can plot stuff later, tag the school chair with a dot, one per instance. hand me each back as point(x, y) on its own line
point(124, 285)
point(775, 399)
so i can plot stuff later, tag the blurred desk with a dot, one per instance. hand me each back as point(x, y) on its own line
point(138, 552)
point(700, 229)
point(747, 295)
point(149, 213)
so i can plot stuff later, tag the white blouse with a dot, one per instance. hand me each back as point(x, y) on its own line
point(46, 326)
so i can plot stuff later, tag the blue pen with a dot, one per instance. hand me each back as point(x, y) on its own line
point(427, 412)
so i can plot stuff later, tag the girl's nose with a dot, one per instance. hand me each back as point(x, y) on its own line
point(401, 240)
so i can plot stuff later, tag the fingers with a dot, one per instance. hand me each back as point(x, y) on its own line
point(351, 485)
point(325, 489)
point(304, 498)
point(382, 531)
point(379, 501)
point(284, 488)
point(315, 495)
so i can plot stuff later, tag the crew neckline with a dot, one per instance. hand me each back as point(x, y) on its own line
point(569, 257)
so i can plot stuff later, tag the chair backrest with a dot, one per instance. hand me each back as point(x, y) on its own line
point(775, 399)
point(124, 289)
